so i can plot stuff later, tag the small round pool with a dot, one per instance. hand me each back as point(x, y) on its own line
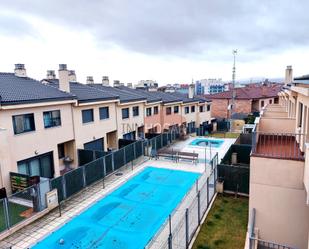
point(205, 142)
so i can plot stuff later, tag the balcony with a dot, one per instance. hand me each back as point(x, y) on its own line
point(278, 145)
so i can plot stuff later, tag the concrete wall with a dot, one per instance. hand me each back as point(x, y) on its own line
point(97, 129)
point(153, 121)
point(276, 125)
point(204, 116)
point(191, 116)
point(14, 148)
point(132, 123)
point(278, 194)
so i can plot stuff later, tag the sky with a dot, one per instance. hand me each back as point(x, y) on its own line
point(170, 41)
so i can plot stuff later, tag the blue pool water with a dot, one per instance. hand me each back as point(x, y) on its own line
point(205, 142)
point(129, 216)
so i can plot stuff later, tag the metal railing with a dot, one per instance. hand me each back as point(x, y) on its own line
point(255, 242)
point(279, 145)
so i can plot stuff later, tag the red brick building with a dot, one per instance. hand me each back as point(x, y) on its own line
point(249, 99)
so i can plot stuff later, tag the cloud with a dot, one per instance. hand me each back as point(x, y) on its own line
point(203, 29)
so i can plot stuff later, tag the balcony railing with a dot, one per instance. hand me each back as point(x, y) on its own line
point(287, 146)
point(255, 242)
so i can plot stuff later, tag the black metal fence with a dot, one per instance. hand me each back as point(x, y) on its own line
point(95, 166)
point(179, 229)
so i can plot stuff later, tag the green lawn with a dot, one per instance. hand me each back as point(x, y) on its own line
point(15, 217)
point(225, 225)
point(225, 135)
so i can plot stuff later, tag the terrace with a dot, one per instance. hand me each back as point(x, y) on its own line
point(275, 137)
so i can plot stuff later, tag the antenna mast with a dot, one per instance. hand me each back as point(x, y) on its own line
point(233, 86)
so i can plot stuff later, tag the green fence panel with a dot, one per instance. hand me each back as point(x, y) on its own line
point(85, 156)
point(108, 164)
point(3, 221)
point(236, 178)
point(57, 183)
point(94, 171)
point(139, 148)
point(165, 139)
point(158, 142)
point(129, 151)
point(74, 181)
point(118, 159)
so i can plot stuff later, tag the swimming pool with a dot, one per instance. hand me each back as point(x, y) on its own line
point(129, 216)
point(205, 142)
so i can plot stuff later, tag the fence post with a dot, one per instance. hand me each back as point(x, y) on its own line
point(124, 155)
point(113, 166)
point(187, 228)
point(199, 207)
point(170, 239)
point(6, 212)
point(134, 150)
point(162, 138)
point(207, 192)
point(64, 187)
point(205, 159)
point(84, 176)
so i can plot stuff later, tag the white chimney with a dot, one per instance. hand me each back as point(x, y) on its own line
point(116, 83)
point(105, 81)
point(288, 75)
point(51, 75)
point(89, 80)
point(72, 76)
point(191, 91)
point(63, 72)
point(20, 70)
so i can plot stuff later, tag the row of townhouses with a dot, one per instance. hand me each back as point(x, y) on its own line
point(43, 123)
point(279, 170)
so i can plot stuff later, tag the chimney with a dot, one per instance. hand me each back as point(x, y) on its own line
point(64, 84)
point(130, 85)
point(288, 75)
point(20, 70)
point(72, 76)
point(51, 75)
point(116, 83)
point(105, 81)
point(191, 91)
point(89, 80)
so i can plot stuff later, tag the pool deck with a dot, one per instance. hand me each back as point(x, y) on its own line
point(209, 152)
point(39, 229)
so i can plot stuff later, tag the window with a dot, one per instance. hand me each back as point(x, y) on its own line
point(135, 111)
point(23, 123)
point(61, 151)
point(42, 165)
point(187, 109)
point(202, 108)
point(208, 108)
point(262, 103)
point(176, 109)
point(155, 110)
point(51, 119)
point(270, 101)
point(276, 100)
point(168, 110)
point(125, 113)
point(300, 117)
point(148, 111)
point(104, 112)
point(193, 108)
point(87, 115)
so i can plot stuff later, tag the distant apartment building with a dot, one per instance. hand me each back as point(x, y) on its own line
point(279, 171)
point(249, 99)
point(210, 86)
point(146, 84)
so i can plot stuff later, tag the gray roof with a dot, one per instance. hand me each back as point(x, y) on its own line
point(145, 94)
point(304, 77)
point(124, 95)
point(186, 99)
point(84, 93)
point(22, 90)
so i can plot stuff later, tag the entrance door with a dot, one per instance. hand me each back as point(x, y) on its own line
point(95, 145)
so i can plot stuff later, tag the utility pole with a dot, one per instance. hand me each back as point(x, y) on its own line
point(233, 88)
